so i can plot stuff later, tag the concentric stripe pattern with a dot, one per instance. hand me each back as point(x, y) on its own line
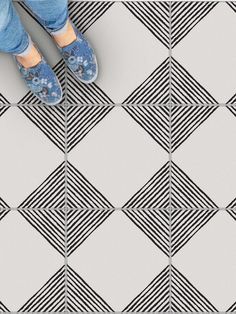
point(3, 308)
point(155, 193)
point(3, 109)
point(232, 212)
point(3, 100)
point(3, 204)
point(232, 308)
point(185, 120)
point(232, 100)
point(170, 104)
point(155, 16)
point(81, 223)
point(81, 120)
point(232, 208)
point(232, 4)
point(185, 89)
point(185, 297)
point(185, 223)
point(50, 120)
point(50, 193)
point(232, 204)
point(3, 213)
point(50, 224)
point(50, 298)
point(79, 93)
point(232, 109)
point(155, 89)
point(185, 16)
point(81, 298)
point(155, 297)
point(185, 193)
point(155, 120)
point(85, 14)
point(155, 224)
point(81, 193)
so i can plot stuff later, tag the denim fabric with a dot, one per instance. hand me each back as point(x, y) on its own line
point(52, 14)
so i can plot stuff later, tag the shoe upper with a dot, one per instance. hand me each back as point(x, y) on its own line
point(80, 58)
point(42, 81)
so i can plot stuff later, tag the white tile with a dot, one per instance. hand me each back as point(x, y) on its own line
point(118, 156)
point(118, 261)
point(208, 52)
point(27, 157)
point(127, 51)
point(208, 260)
point(208, 156)
point(27, 261)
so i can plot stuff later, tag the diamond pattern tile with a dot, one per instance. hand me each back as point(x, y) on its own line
point(208, 259)
point(123, 198)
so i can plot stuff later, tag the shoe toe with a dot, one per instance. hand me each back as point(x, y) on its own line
point(42, 81)
point(81, 60)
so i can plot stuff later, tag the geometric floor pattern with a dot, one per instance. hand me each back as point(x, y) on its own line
point(122, 198)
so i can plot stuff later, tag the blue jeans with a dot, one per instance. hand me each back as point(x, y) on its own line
point(52, 14)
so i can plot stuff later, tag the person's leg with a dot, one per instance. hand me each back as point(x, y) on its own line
point(13, 37)
point(53, 15)
point(76, 50)
point(33, 68)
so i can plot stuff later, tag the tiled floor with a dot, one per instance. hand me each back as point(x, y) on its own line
point(123, 198)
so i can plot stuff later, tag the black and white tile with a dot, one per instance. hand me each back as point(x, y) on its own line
point(123, 197)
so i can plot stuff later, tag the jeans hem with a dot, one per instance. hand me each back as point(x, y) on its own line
point(61, 30)
point(26, 50)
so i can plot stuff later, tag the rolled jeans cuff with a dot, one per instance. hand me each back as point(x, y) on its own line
point(61, 30)
point(27, 49)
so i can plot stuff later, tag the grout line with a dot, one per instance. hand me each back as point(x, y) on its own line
point(92, 1)
point(170, 160)
point(118, 208)
point(147, 209)
point(119, 105)
point(31, 208)
point(66, 191)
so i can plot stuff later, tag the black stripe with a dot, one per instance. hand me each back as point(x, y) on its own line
point(81, 223)
point(155, 224)
point(154, 298)
point(50, 298)
point(184, 225)
point(185, 89)
point(155, 16)
point(50, 224)
point(185, 16)
point(81, 298)
point(155, 193)
point(155, 89)
point(81, 193)
point(50, 193)
point(155, 120)
point(185, 193)
point(81, 120)
point(186, 297)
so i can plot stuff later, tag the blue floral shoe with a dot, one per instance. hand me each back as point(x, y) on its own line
point(42, 81)
point(80, 58)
